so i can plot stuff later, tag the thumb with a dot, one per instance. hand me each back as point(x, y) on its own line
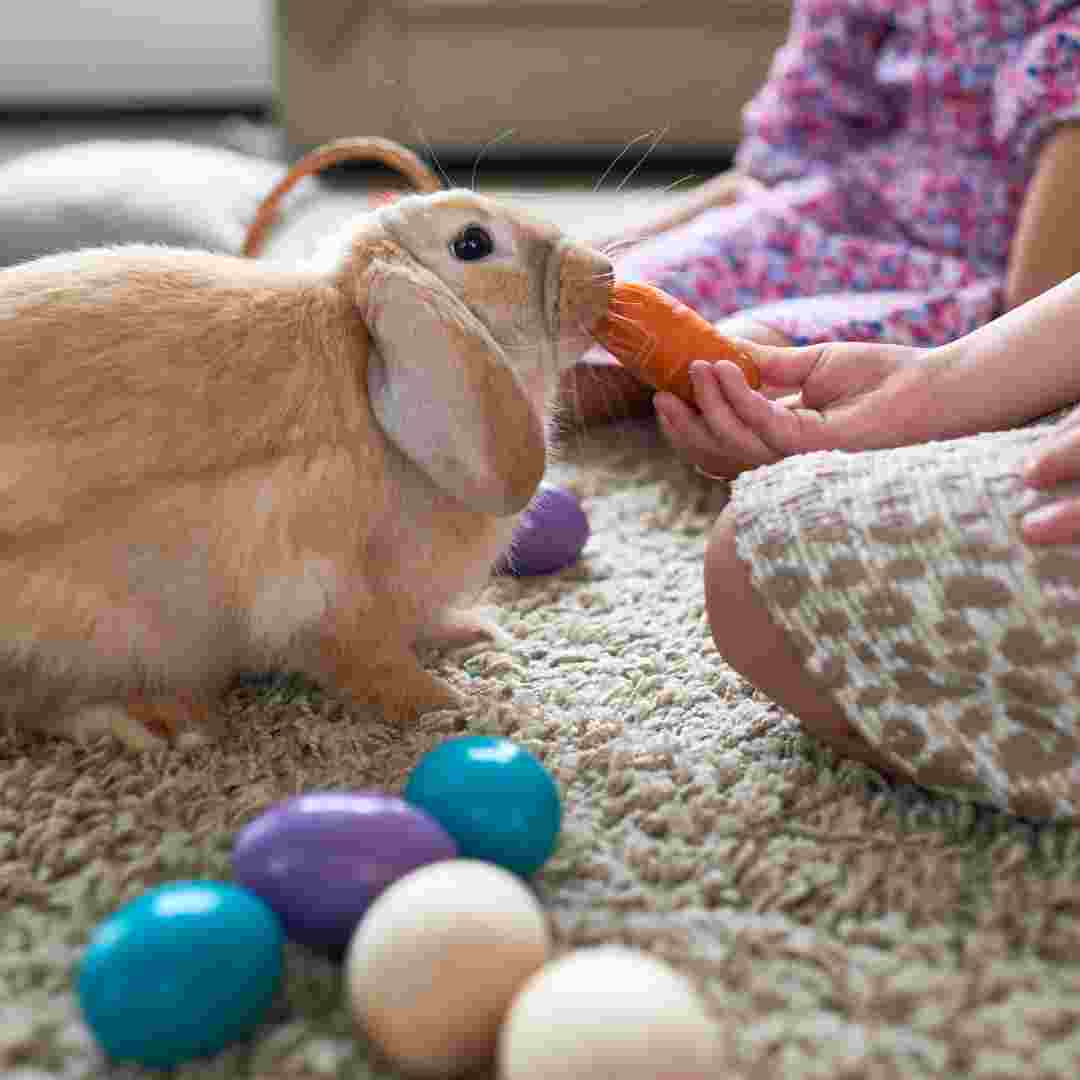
point(784, 366)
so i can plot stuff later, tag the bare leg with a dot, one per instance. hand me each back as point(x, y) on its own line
point(758, 649)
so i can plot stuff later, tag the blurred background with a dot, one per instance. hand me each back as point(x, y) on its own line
point(536, 83)
point(103, 54)
point(79, 69)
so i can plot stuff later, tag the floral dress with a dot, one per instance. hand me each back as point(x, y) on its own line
point(897, 140)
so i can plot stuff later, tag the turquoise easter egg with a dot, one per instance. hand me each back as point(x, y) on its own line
point(180, 972)
point(493, 797)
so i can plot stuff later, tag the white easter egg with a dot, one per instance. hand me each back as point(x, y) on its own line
point(608, 1013)
point(434, 964)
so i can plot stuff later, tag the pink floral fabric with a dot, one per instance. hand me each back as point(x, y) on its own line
point(897, 140)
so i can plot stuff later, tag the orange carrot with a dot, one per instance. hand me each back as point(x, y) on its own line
point(657, 338)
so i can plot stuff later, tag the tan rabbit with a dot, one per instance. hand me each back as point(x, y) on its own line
point(211, 464)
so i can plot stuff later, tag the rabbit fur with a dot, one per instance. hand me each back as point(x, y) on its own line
point(211, 464)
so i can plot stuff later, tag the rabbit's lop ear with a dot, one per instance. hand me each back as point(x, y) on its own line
point(443, 392)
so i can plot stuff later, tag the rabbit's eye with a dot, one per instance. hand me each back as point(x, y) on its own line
point(473, 242)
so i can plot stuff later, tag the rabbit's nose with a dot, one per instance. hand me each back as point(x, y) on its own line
point(585, 280)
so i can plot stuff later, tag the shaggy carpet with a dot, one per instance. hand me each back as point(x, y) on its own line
point(837, 926)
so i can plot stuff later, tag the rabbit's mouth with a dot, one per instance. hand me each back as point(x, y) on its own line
point(577, 292)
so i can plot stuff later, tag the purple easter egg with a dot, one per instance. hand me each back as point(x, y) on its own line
point(320, 859)
point(550, 535)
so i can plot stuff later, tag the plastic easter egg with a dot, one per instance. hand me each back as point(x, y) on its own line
point(608, 1011)
point(180, 972)
point(320, 858)
point(493, 797)
point(435, 963)
point(549, 536)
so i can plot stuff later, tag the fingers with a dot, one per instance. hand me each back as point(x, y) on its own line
point(779, 427)
point(695, 443)
point(1055, 523)
point(783, 366)
point(1056, 458)
point(742, 329)
point(716, 386)
point(720, 445)
point(737, 428)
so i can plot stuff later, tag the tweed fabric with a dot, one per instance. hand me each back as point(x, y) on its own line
point(951, 645)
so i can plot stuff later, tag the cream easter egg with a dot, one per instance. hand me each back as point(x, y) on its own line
point(434, 964)
point(608, 1013)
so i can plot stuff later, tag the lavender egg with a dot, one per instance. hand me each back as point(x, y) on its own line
point(320, 859)
point(549, 537)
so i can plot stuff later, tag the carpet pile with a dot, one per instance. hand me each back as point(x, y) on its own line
point(837, 926)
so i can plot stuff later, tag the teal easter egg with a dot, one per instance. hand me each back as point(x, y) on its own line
point(493, 797)
point(180, 972)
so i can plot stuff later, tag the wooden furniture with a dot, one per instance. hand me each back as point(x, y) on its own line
point(565, 76)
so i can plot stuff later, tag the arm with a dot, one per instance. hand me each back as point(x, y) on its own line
point(1036, 111)
point(1046, 246)
point(860, 396)
point(1024, 364)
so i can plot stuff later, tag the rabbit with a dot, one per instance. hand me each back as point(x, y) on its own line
point(211, 464)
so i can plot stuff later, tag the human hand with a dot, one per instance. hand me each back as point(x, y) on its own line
point(839, 395)
point(1055, 460)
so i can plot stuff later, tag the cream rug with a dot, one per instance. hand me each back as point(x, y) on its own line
point(837, 927)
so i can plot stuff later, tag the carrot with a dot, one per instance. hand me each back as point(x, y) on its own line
point(657, 338)
point(360, 148)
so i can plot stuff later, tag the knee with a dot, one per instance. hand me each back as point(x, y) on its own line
point(727, 579)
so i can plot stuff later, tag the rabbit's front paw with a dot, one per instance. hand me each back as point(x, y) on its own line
point(403, 693)
point(455, 628)
point(405, 703)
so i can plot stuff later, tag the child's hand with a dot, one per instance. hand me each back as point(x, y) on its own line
point(851, 396)
point(1055, 460)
